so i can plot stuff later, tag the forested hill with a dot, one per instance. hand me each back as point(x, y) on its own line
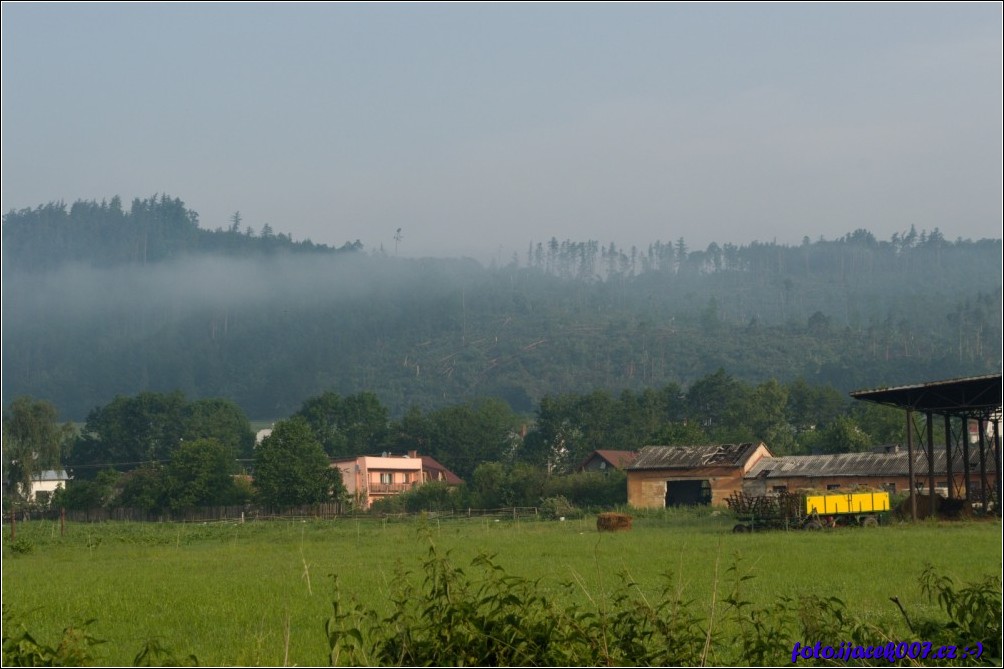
point(99, 302)
point(152, 230)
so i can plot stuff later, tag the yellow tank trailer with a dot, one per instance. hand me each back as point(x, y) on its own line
point(811, 511)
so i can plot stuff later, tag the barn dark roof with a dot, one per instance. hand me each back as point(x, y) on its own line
point(688, 457)
point(975, 396)
point(852, 464)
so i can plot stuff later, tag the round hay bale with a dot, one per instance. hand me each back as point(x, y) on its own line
point(613, 522)
point(942, 507)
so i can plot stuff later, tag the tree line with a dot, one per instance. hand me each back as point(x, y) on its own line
point(164, 452)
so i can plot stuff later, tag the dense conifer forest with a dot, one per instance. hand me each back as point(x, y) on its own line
point(101, 301)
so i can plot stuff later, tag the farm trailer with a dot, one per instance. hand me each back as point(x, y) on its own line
point(810, 511)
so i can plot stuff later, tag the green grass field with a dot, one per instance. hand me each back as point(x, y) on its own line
point(260, 593)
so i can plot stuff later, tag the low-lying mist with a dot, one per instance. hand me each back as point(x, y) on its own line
point(201, 281)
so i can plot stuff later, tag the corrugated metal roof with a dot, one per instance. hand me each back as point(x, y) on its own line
point(973, 396)
point(855, 464)
point(687, 457)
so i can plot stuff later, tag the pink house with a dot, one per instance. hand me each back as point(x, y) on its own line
point(368, 478)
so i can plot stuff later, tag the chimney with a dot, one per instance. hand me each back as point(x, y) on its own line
point(412, 454)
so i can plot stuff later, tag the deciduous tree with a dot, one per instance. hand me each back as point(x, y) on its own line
point(291, 468)
point(348, 426)
point(129, 432)
point(201, 474)
point(33, 442)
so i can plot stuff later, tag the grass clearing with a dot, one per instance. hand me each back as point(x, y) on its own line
point(260, 593)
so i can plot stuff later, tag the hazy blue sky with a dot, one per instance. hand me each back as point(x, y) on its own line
point(479, 128)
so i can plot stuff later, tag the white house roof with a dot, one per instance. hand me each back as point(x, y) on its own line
point(52, 475)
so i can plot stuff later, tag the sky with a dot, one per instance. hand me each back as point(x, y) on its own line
point(480, 129)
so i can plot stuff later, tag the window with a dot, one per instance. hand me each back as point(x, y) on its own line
point(386, 477)
point(780, 488)
point(832, 486)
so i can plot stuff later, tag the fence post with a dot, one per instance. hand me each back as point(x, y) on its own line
point(62, 521)
point(13, 524)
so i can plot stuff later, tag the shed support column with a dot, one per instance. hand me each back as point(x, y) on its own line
point(997, 464)
point(931, 511)
point(909, 460)
point(965, 459)
point(983, 463)
point(952, 489)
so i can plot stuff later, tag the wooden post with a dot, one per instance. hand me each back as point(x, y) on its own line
point(62, 521)
point(13, 524)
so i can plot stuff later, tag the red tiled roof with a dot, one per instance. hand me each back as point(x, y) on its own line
point(619, 459)
point(616, 459)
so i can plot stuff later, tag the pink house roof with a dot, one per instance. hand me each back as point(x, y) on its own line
point(439, 472)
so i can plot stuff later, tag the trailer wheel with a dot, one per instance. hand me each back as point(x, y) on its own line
point(740, 529)
point(813, 525)
point(869, 521)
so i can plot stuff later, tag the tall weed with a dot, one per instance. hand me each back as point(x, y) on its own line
point(493, 618)
point(497, 619)
point(74, 649)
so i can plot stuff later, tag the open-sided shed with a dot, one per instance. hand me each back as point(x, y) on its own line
point(972, 401)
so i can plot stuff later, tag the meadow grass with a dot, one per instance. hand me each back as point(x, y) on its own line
point(260, 593)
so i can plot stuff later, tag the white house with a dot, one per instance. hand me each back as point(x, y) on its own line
point(262, 435)
point(48, 482)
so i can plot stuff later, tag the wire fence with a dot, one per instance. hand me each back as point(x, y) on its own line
point(252, 513)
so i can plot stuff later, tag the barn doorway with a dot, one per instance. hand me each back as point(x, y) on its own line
point(688, 493)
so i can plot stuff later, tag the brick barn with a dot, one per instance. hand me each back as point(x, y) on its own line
point(889, 471)
point(664, 476)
